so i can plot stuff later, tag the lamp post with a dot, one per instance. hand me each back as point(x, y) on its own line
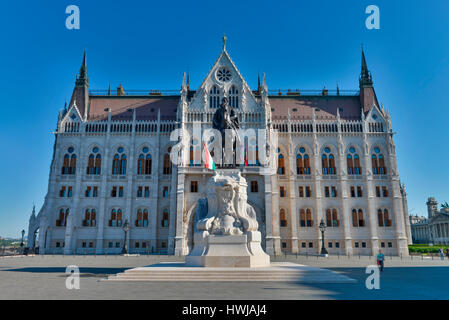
point(323, 229)
point(21, 243)
point(125, 245)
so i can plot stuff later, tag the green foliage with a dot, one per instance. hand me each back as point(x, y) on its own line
point(425, 248)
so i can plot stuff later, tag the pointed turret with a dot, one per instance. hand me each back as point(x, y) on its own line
point(81, 78)
point(366, 79)
point(367, 94)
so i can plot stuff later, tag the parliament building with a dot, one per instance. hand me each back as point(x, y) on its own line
point(335, 163)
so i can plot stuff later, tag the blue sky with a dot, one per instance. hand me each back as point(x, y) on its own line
point(149, 44)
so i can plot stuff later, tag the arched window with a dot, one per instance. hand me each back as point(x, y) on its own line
point(357, 218)
point(328, 162)
point(165, 219)
point(302, 162)
point(116, 164)
point(332, 218)
point(378, 162)
point(90, 218)
point(283, 218)
point(353, 162)
point(281, 164)
point(167, 164)
point(305, 218)
point(214, 97)
point(142, 218)
point(63, 216)
point(116, 218)
point(383, 218)
point(234, 97)
point(98, 164)
point(309, 221)
point(123, 164)
point(66, 164)
point(144, 162)
point(72, 169)
point(91, 164)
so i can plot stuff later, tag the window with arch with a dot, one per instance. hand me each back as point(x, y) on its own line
point(144, 162)
point(281, 164)
point(90, 218)
point(353, 162)
point(195, 154)
point(63, 216)
point(234, 97)
point(214, 97)
point(357, 218)
point(332, 218)
point(305, 218)
point(119, 162)
point(328, 162)
point(94, 162)
point(383, 218)
point(167, 164)
point(302, 162)
point(165, 219)
point(116, 218)
point(142, 218)
point(283, 218)
point(378, 162)
point(69, 162)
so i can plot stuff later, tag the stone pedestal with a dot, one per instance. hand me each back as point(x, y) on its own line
point(239, 251)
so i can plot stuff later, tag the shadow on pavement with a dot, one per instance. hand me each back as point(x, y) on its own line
point(88, 270)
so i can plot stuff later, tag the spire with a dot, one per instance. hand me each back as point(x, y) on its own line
point(81, 78)
point(365, 76)
point(224, 42)
point(109, 90)
point(338, 90)
point(258, 83)
point(188, 81)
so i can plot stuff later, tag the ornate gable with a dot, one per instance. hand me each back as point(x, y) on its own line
point(224, 80)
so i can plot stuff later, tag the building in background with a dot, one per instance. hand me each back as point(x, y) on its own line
point(434, 228)
point(335, 162)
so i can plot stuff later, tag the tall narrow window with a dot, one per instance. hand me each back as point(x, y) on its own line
point(353, 162)
point(378, 162)
point(72, 164)
point(165, 219)
point(281, 164)
point(234, 97)
point(283, 218)
point(123, 164)
point(144, 162)
point(254, 186)
point(214, 97)
point(91, 164)
point(302, 162)
point(66, 164)
point(116, 164)
point(302, 217)
point(328, 162)
point(98, 164)
point(167, 164)
point(309, 218)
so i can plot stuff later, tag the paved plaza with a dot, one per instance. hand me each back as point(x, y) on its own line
point(43, 277)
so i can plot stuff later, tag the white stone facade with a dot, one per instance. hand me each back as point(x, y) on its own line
point(310, 129)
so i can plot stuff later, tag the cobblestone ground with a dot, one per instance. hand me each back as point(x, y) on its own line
point(43, 277)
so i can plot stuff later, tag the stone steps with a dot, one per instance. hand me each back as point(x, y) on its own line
point(299, 274)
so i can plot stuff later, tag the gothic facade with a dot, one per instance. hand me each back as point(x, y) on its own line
point(335, 163)
point(434, 228)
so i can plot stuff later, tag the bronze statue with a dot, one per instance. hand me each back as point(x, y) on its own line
point(226, 119)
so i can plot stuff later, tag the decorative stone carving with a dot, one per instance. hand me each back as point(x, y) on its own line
point(227, 236)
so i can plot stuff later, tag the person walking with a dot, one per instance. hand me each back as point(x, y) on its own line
point(380, 260)
point(441, 254)
point(447, 253)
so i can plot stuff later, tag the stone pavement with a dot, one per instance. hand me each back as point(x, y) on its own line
point(43, 277)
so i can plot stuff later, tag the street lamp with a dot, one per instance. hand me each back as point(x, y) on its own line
point(125, 245)
point(23, 234)
point(322, 229)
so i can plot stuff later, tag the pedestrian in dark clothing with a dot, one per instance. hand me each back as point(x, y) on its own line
point(380, 260)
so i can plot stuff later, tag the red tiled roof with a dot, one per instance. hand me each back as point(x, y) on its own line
point(146, 107)
point(301, 107)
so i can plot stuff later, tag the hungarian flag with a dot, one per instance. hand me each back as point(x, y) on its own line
point(210, 164)
point(246, 156)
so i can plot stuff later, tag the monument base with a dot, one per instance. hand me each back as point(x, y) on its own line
point(234, 251)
